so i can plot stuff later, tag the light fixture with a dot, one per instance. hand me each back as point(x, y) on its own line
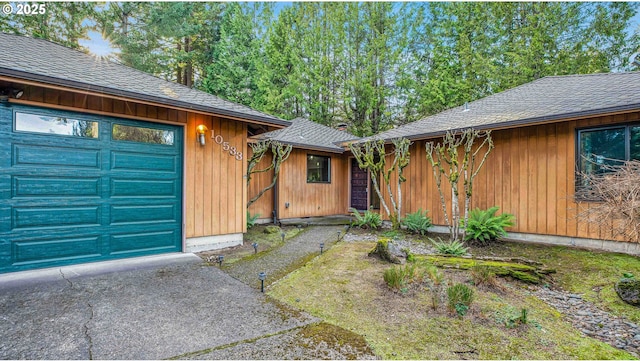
point(321, 247)
point(262, 276)
point(6, 93)
point(201, 130)
point(220, 259)
point(282, 235)
point(255, 247)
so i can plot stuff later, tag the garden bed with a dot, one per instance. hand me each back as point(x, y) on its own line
point(345, 287)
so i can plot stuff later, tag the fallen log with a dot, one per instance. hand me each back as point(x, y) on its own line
point(530, 273)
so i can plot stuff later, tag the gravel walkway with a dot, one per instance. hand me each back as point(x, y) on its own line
point(278, 262)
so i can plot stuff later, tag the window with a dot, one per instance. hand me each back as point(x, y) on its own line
point(318, 169)
point(142, 135)
point(55, 125)
point(602, 147)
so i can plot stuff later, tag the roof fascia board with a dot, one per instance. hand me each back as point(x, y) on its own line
point(41, 80)
point(557, 118)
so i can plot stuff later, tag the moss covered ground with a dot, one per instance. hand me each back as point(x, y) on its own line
point(266, 241)
point(586, 272)
point(345, 287)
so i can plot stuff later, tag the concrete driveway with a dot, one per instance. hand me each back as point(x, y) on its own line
point(147, 308)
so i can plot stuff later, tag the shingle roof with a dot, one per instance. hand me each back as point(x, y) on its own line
point(306, 134)
point(46, 62)
point(547, 99)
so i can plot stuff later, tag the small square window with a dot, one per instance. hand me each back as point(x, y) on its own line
point(318, 169)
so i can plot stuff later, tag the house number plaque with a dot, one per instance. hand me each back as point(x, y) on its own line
point(233, 151)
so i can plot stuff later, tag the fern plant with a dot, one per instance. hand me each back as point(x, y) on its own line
point(417, 222)
point(368, 219)
point(251, 220)
point(485, 226)
point(455, 248)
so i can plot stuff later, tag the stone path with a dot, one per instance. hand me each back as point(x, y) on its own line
point(592, 321)
point(278, 262)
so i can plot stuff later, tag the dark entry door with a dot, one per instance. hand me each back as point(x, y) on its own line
point(358, 186)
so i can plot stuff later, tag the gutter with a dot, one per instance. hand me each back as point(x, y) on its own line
point(521, 122)
point(137, 96)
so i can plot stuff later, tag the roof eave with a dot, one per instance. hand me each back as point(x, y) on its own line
point(318, 148)
point(528, 121)
point(137, 96)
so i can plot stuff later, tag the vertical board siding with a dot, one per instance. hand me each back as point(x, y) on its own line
point(312, 199)
point(259, 181)
point(530, 173)
point(214, 178)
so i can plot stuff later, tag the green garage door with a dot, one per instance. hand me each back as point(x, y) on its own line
point(78, 188)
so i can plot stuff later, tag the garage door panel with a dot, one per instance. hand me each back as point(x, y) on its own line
point(143, 188)
point(137, 214)
point(49, 156)
point(144, 241)
point(31, 252)
point(143, 162)
point(55, 217)
point(56, 187)
point(70, 192)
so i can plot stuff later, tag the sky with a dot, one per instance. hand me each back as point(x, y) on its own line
point(100, 47)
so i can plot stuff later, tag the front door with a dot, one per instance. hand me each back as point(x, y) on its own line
point(359, 181)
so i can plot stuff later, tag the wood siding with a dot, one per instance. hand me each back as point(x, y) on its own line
point(530, 173)
point(215, 190)
point(264, 205)
point(312, 199)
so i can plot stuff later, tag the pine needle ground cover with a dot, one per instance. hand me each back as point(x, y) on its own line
point(346, 288)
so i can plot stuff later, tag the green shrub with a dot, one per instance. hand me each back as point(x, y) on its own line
point(455, 248)
point(417, 222)
point(460, 297)
point(251, 220)
point(399, 277)
point(437, 280)
point(369, 219)
point(484, 226)
point(483, 275)
point(392, 233)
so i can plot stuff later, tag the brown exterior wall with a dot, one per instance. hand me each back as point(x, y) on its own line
point(312, 199)
point(215, 190)
point(264, 205)
point(215, 187)
point(530, 173)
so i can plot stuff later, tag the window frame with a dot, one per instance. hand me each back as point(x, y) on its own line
point(53, 114)
point(578, 154)
point(129, 125)
point(328, 181)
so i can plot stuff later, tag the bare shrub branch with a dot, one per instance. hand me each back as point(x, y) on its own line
point(610, 199)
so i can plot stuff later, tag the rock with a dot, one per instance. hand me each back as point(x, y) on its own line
point(389, 251)
point(629, 291)
point(272, 229)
